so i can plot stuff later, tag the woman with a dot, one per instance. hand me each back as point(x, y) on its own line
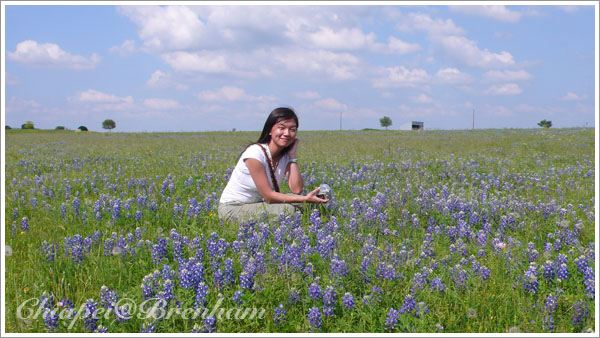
point(254, 184)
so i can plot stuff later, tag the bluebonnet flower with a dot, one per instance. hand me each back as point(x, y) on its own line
point(218, 278)
point(15, 213)
point(314, 318)
point(149, 286)
point(108, 246)
point(159, 250)
point(90, 319)
point(279, 314)
point(25, 224)
point(167, 292)
point(437, 284)
point(246, 280)
point(229, 276)
point(530, 282)
point(581, 263)
point(421, 309)
point(549, 271)
point(237, 297)
point(210, 324)
point(293, 296)
point(314, 291)
point(580, 313)
point(338, 267)
point(201, 293)
point(460, 276)
point(562, 272)
point(76, 205)
point(63, 210)
point(385, 271)
point(50, 319)
point(108, 298)
point(74, 248)
point(417, 282)
point(588, 281)
point(329, 296)
point(392, 318)
point(328, 311)
point(409, 304)
point(348, 300)
point(49, 250)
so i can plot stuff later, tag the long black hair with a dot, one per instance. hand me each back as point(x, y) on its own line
point(278, 114)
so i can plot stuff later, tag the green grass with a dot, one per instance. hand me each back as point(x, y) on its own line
point(523, 171)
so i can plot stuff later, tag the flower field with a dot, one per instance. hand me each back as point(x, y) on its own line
point(432, 231)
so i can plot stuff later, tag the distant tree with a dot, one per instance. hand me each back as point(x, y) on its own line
point(28, 125)
point(109, 124)
point(545, 124)
point(83, 128)
point(60, 128)
point(7, 127)
point(385, 122)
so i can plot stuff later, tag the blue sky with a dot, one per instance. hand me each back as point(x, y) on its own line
point(201, 68)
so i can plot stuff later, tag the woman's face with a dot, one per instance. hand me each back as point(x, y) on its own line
point(283, 132)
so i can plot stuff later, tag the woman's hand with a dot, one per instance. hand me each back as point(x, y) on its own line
point(312, 197)
point(293, 147)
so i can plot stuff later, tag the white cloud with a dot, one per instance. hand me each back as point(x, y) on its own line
point(496, 12)
point(505, 89)
point(401, 76)
point(338, 66)
point(401, 47)
point(159, 79)
point(17, 105)
point(452, 76)
point(450, 40)
point(465, 51)
point(50, 55)
point(309, 95)
point(161, 104)
point(92, 95)
point(203, 62)
point(422, 98)
point(343, 39)
point(125, 49)
point(572, 97)
point(424, 22)
point(331, 104)
point(231, 93)
point(166, 28)
point(507, 75)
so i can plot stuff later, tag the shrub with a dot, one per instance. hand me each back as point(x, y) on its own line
point(60, 127)
point(82, 128)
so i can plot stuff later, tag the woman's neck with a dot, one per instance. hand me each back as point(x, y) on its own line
point(274, 149)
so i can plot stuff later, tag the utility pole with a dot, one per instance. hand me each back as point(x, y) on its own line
point(340, 121)
point(473, 118)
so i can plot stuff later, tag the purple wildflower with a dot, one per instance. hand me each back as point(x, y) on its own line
point(279, 314)
point(348, 300)
point(392, 318)
point(25, 224)
point(210, 324)
point(314, 318)
point(314, 291)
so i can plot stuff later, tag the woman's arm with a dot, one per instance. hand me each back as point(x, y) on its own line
point(259, 175)
point(292, 171)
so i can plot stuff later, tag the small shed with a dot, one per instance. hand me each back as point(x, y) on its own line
point(417, 125)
